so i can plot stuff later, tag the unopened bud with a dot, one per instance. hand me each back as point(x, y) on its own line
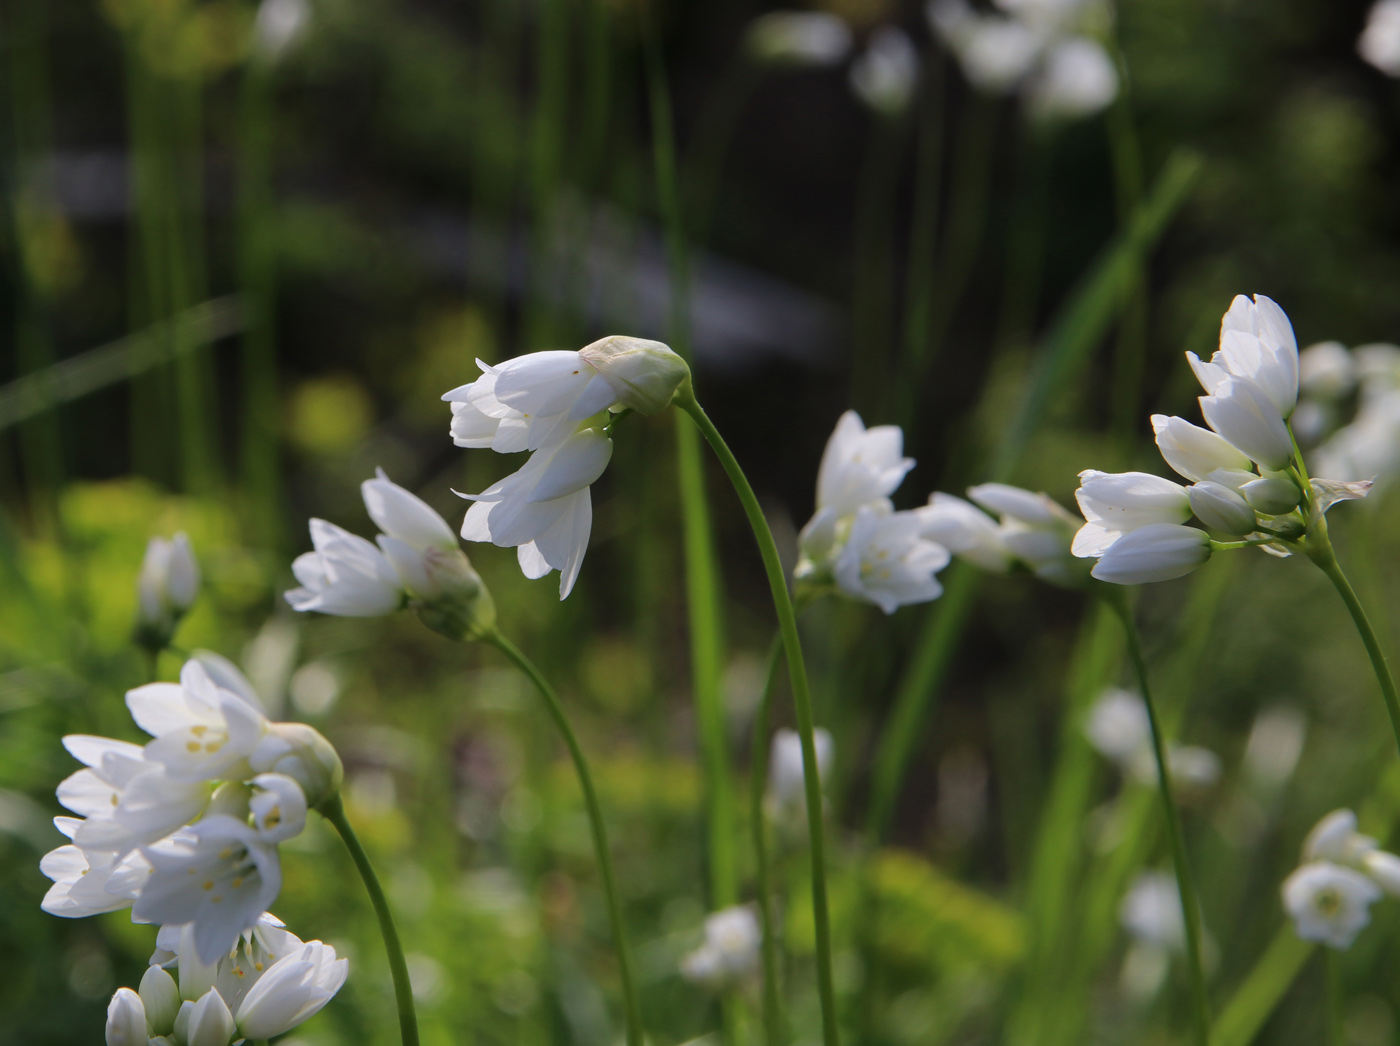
point(165, 589)
point(161, 997)
point(301, 753)
point(645, 375)
point(1272, 495)
point(126, 1019)
point(210, 1023)
point(1219, 507)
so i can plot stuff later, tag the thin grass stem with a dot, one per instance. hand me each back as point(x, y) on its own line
point(631, 1006)
point(773, 1020)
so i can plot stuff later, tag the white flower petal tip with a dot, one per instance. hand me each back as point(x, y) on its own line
point(644, 375)
point(1157, 552)
point(1328, 903)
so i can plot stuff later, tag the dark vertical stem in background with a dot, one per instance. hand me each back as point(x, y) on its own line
point(773, 1021)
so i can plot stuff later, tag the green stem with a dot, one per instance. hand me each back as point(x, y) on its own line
point(801, 696)
point(772, 998)
point(600, 834)
point(333, 810)
point(1320, 552)
point(1190, 908)
point(1260, 992)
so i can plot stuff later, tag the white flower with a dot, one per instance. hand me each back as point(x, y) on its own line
point(126, 1019)
point(1256, 343)
point(1242, 413)
point(165, 589)
point(1118, 726)
point(1077, 78)
point(218, 874)
point(86, 881)
point(545, 509)
point(787, 788)
point(1151, 912)
point(798, 38)
point(293, 990)
point(161, 998)
point(1194, 452)
point(418, 543)
point(279, 25)
point(859, 466)
point(729, 953)
point(235, 972)
point(1157, 552)
point(1217, 506)
point(1380, 40)
point(965, 530)
point(1117, 503)
point(885, 561)
point(278, 807)
point(1335, 838)
point(1328, 903)
point(202, 731)
point(1326, 370)
point(346, 576)
point(1034, 529)
point(884, 75)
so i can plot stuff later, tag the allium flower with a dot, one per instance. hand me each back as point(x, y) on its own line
point(1380, 40)
point(165, 589)
point(554, 404)
point(1045, 50)
point(813, 38)
point(346, 576)
point(787, 793)
point(1328, 903)
point(729, 954)
point(856, 541)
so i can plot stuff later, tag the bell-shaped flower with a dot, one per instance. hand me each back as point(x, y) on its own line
point(545, 509)
point(1242, 413)
point(236, 971)
point(165, 589)
point(126, 1019)
point(965, 531)
point(859, 466)
point(887, 562)
point(1156, 552)
point(1328, 903)
point(730, 952)
point(1379, 43)
point(291, 991)
point(160, 997)
point(1117, 503)
point(802, 38)
point(219, 874)
point(883, 76)
point(202, 731)
point(787, 788)
point(1258, 345)
point(1272, 495)
point(1194, 452)
point(301, 754)
point(346, 576)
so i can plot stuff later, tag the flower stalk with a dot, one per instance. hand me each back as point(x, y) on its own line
point(1190, 908)
point(802, 700)
point(631, 1007)
point(333, 810)
point(763, 878)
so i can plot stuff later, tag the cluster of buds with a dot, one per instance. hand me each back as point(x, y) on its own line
point(1044, 49)
point(557, 406)
point(856, 541)
point(416, 562)
point(185, 830)
point(165, 590)
point(1247, 481)
point(269, 982)
point(1343, 873)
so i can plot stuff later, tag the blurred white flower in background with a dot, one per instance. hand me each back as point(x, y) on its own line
point(1046, 49)
point(1118, 727)
point(1151, 916)
point(166, 588)
point(884, 75)
point(787, 793)
point(813, 38)
point(1328, 903)
point(1030, 529)
point(856, 541)
point(1379, 43)
point(1364, 384)
point(730, 952)
point(280, 25)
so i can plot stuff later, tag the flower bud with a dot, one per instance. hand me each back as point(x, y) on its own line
point(645, 375)
point(1272, 495)
point(161, 998)
point(278, 807)
point(301, 753)
point(460, 606)
point(1156, 552)
point(126, 1019)
point(165, 589)
point(1219, 507)
point(211, 1023)
point(1195, 452)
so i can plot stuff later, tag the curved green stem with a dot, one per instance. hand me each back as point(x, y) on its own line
point(1320, 552)
point(630, 1004)
point(772, 998)
point(1186, 886)
point(801, 697)
point(333, 810)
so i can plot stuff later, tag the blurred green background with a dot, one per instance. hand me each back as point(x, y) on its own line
point(239, 271)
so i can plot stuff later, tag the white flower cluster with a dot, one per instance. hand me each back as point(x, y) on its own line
point(856, 540)
point(416, 561)
point(730, 952)
point(555, 405)
point(1379, 43)
point(185, 830)
point(1329, 896)
point(1030, 530)
point(1136, 522)
point(1045, 49)
point(269, 982)
point(1119, 729)
point(165, 590)
point(1330, 379)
